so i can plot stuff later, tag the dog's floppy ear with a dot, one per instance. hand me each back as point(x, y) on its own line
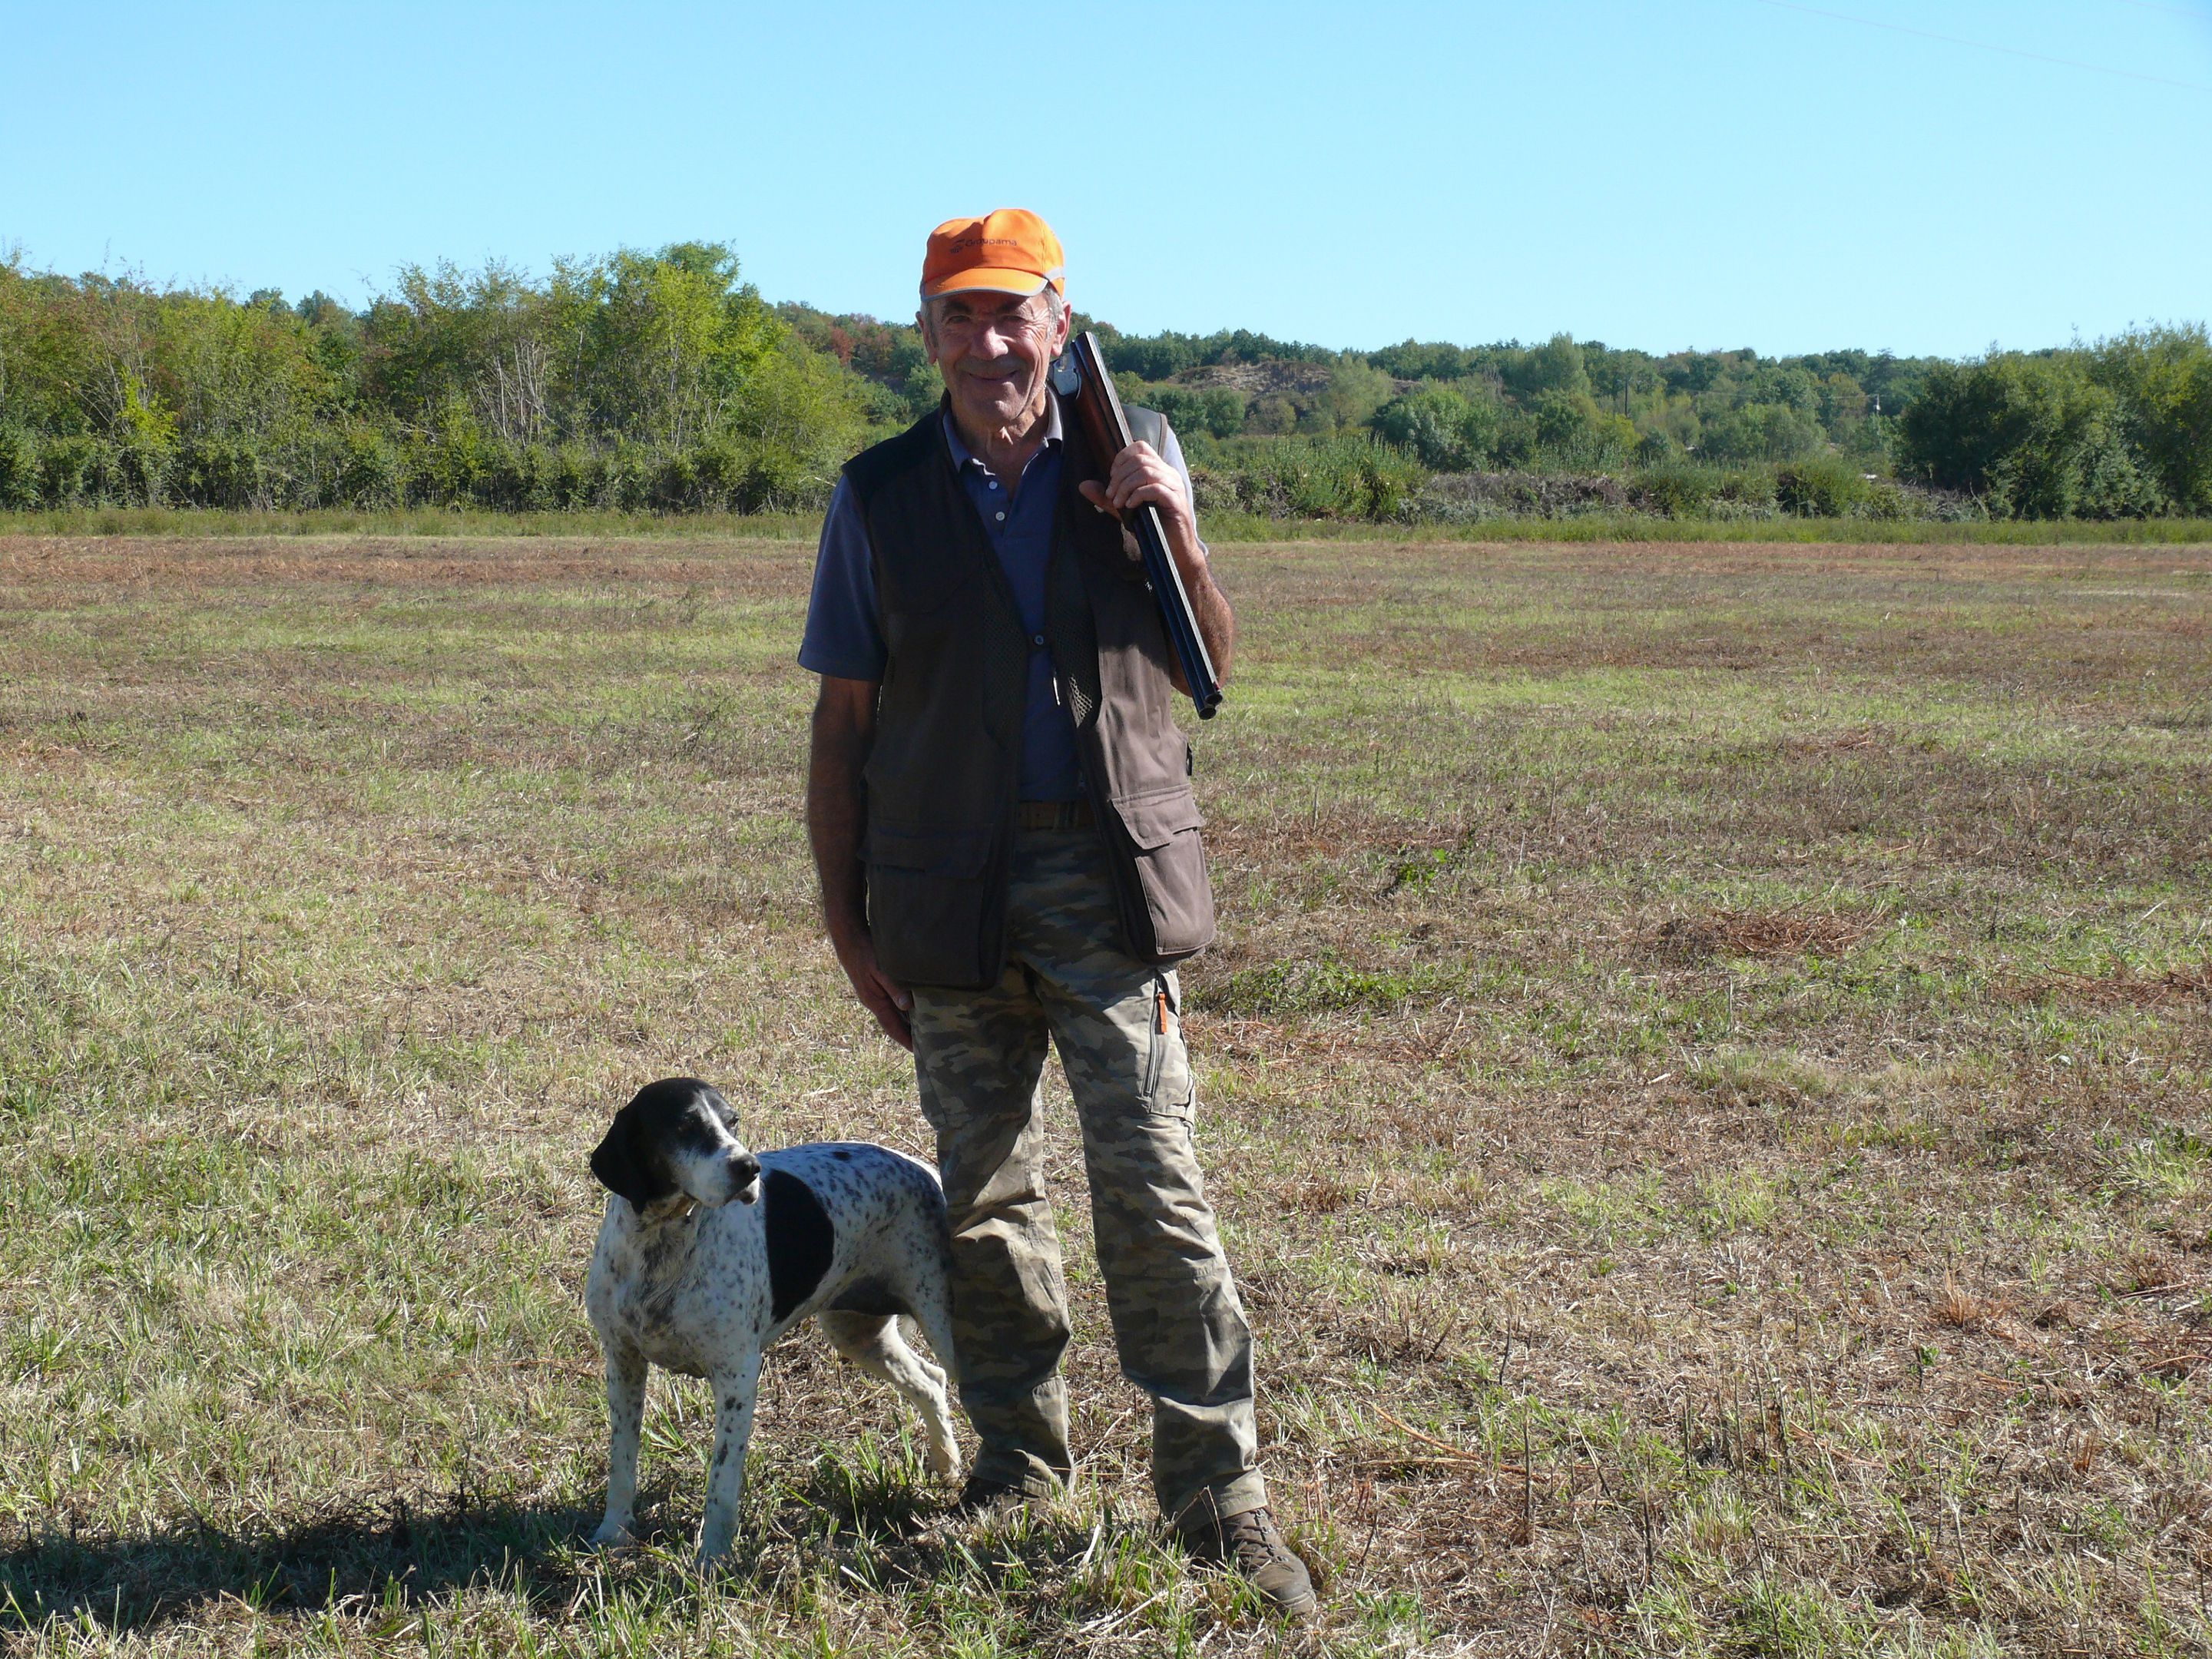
point(616, 1164)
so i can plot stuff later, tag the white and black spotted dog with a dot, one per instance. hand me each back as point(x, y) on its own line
point(849, 1233)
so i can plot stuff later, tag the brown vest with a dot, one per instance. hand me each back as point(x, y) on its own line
point(943, 770)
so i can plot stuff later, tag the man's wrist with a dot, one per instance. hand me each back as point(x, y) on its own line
point(846, 928)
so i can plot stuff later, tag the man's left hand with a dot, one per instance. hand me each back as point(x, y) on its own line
point(1139, 474)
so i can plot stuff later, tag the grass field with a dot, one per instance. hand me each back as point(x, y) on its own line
point(1708, 1081)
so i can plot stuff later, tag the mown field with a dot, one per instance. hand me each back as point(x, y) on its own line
point(1708, 1081)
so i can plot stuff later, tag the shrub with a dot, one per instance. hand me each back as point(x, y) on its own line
point(19, 483)
point(1677, 492)
point(221, 471)
point(1444, 428)
point(1825, 489)
point(370, 470)
point(1341, 477)
point(2164, 376)
point(2035, 435)
point(1760, 432)
point(69, 467)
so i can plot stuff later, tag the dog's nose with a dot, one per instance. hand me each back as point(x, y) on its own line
point(745, 1175)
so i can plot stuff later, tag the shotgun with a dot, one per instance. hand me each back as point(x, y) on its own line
point(1083, 373)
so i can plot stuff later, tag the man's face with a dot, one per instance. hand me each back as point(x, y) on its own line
point(993, 351)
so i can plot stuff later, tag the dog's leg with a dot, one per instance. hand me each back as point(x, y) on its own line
point(931, 1304)
point(734, 1392)
point(874, 1343)
point(625, 1422)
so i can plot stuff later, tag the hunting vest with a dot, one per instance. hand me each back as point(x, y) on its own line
point(943, 769)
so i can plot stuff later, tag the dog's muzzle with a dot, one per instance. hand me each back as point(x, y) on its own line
point(745, 1178)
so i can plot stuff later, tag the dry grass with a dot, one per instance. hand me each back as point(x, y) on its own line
point(1706, 1079)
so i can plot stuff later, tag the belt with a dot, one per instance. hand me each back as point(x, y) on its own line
point(1055, 814)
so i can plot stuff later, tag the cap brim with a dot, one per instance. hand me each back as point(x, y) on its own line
point(988, 278)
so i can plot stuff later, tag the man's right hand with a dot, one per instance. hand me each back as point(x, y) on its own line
point(882, 996)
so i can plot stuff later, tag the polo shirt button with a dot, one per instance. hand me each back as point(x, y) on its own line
point(1036, 639)
point(1002, 518)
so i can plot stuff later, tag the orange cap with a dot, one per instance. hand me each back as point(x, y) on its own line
point(1009, 250)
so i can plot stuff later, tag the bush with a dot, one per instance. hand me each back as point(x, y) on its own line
point(69, 467)
point(20, 482)
point(1341, 477)
point(221, 471)
point(1677, 492)
point(370, 470)
point(1760, 432)
point(1444, 428)
point(2036, 436)
point(1820, 489)
point(2164, 377)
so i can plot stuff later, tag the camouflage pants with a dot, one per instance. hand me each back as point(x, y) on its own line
point(1177, 1322)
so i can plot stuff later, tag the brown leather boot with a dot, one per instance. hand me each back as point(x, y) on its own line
point(1252, 1544)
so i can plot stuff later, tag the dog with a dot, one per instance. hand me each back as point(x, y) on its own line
point(708, 1254)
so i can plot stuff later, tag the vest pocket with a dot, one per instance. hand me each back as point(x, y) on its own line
point(1161, 827)
point(931, 904)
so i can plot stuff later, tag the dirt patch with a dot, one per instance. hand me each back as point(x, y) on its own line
point(1758, 933)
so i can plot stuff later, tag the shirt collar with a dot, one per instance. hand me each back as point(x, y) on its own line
point(963, 457)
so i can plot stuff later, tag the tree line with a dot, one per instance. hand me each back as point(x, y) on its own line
point(661, 381)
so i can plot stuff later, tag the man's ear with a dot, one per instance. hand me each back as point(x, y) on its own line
point(617, 1165)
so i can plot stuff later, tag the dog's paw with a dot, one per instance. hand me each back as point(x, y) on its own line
point(613, 1536)
point(945, 1461)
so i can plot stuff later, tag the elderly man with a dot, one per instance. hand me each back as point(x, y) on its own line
point(1000, 806)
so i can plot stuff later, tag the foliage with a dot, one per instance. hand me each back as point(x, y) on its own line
point(1446, 428)
point(1351, 477)
point(660, 381)
point(647, 380)
point(2164, 378)
point(2034, 435)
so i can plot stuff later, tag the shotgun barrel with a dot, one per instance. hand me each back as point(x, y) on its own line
point(1106, 426)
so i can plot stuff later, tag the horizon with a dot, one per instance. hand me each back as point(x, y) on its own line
point(241, 291)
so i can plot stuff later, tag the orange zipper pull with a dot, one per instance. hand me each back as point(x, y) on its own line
point(1162, 1026)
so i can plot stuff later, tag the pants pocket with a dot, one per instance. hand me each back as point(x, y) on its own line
point(1167, 1091)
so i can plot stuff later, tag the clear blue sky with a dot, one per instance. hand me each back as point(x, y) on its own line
point(1708, 172)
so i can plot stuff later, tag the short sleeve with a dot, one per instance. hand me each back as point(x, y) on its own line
point(843, 637)
point(1171, 452)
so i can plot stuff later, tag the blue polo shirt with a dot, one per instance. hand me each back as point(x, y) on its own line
point(844, 635)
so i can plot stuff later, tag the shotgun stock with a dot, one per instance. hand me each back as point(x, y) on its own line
point(1106, 427)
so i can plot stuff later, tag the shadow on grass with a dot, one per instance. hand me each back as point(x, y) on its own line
point(363, 1557)
point(348, 1558)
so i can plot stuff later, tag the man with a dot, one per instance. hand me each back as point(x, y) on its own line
point(1000, 807)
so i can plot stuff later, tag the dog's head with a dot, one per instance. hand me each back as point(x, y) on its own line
point(677, 1138)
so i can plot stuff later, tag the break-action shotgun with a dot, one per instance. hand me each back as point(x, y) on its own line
point(1106, 426)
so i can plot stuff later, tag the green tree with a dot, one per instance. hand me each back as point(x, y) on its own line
point(1443, 426)
point(2034, 436)
point(1555, 365)
point(2164, 377)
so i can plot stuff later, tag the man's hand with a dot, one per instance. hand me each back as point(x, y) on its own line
point(882, 996)
point(1140, 474)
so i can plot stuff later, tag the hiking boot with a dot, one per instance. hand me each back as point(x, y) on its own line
point(983, 1496)
point(1252, 1544)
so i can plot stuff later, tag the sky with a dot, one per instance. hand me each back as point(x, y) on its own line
point(1916, 175)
